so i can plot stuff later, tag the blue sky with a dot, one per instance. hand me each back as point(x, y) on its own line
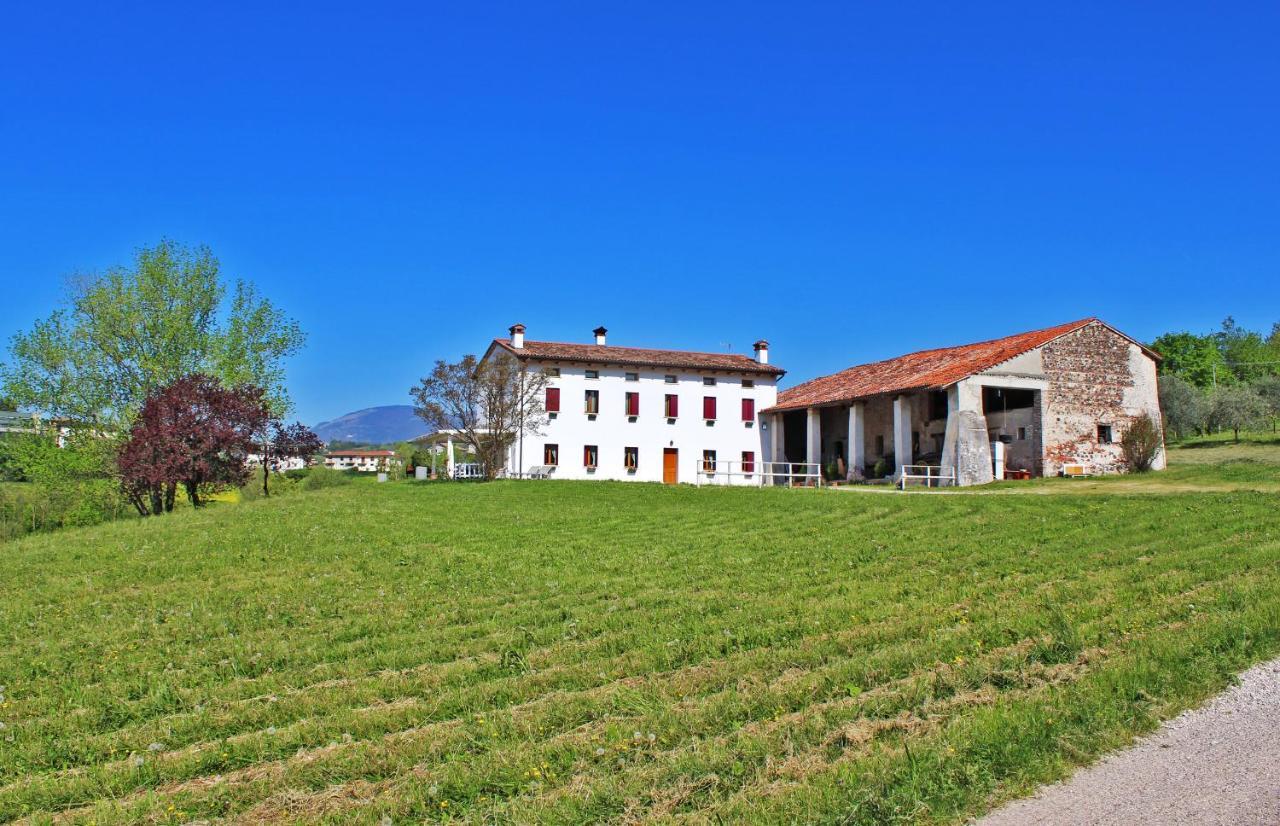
point(848, 181)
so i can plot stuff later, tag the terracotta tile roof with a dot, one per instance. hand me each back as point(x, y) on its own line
point(636, 357)
point(925, 370)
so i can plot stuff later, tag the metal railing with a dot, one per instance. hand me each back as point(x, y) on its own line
point(762, 474)
point(932, 476)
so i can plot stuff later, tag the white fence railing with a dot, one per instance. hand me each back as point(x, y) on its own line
point(931, 476)
point(468, 470)
point(737, 472)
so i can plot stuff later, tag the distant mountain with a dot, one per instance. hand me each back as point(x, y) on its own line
point(373, 425)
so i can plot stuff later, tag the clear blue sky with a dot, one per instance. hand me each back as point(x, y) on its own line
point(850, 182)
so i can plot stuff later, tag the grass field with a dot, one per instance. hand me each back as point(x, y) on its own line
point(564, 652)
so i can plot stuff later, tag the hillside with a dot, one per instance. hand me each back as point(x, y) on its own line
point(604, 652)
point(373, 425)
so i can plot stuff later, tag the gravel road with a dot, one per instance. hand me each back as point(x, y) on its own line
point(1219, 764)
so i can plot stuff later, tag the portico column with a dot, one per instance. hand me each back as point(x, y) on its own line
point(448, 457)
point(901, 432)
point(857, 458)
point(813, 436)
point(776, 438)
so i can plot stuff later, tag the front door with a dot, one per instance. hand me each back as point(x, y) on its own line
point(670, 463)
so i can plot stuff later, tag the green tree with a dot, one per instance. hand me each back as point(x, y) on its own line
point(1268, 388)
point(1245, 351)
point(125, 333)
point(1184, 406)
point(1237, 407)
point(1192, 358)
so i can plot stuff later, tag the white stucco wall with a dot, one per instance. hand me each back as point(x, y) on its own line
point(612, 431)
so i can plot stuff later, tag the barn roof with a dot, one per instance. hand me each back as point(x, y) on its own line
point(924, 370)
point(635, 357)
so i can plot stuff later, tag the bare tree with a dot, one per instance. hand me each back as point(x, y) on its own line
point(490, 404)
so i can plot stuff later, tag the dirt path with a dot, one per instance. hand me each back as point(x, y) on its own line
point(1219, 764)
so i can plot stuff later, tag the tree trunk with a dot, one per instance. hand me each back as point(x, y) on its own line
point(193, 493)
point(265, 492)
point(1237, 432)
point(170, 494)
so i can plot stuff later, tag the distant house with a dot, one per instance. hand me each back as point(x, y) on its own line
point(1052, 401)
point(32, 423)
point(365, 461)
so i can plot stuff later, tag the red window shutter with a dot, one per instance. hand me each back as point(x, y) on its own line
point(748, 461)
point(748, 410)
point(586, 456)
point(553, 399)
point(673, 405)
point(708, 407)
point(633, 404)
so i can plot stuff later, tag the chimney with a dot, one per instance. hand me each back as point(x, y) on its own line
point(517, 336)
point(762, 351)
point(600, 333)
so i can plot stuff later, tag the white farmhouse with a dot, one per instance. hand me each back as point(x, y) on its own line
point(630, 413)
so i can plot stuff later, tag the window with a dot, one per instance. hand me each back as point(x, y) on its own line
point(593, 374)
point(669, 379)
point(592, 402)
point(708, 461)
point(633, 404)
point(708, 381)
point(1022, 434)
point(672, 405)
point(590, 456)
point(551, 454)
point(748, 383)
point(631, 458)
point(748, 410)
point(1104, 434)
point(553, 399)
point(551, 372)
point(748, 461)
point(709, 407)
point(633, 377)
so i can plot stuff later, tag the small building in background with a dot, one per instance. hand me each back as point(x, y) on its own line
point(364, 461)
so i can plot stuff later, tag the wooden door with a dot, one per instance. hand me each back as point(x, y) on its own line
point(670, 465)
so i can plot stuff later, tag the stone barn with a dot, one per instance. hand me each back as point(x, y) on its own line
point(1051, 400)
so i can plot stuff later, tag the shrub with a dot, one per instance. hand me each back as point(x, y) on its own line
point(320, 476)
point(1141, 443)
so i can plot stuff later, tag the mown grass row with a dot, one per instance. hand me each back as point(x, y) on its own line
point(491, 652)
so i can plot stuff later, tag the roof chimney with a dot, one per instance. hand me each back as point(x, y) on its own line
point(762, 351)
point(517, 336)
point(600, 334)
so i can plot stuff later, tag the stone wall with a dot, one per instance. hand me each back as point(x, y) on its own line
point(1094, 378)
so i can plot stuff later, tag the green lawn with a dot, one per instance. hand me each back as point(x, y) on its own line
point(584, 652)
